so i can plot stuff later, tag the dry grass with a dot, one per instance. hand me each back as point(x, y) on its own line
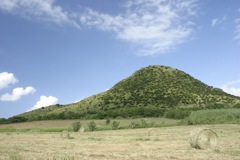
point(65, 134)
point(171, 143)
point(153, 132)
point(81, 130)
point(203, 138)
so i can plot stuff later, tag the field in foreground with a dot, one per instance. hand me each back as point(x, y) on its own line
point(168, 143)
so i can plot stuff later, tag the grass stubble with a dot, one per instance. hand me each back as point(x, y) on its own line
point(167, 143)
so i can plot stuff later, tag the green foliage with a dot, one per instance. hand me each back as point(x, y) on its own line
point(115, 125)
point(95, 138)
point(76, 126)
point(8, 129)
point(135, 125)
point(143, 124)
point(15, 157)
point(17, 119)
point(143, 139)
point(108, 121)
point(146, 124)
point(177, 114)
point(132, 112)
point(216, 116)
point(69, 158)
point(214, 106)
point(92, 126)
point(65, 158)
point(4, 121)
point(237, 105)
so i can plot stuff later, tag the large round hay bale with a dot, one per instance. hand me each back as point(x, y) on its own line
point(203, 138)
point(152, 132)
point(65, 134)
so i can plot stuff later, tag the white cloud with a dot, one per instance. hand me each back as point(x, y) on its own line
point(214, 22)
point(7, 79)
point(17, 93)
point(43, 10)
point(44, 102)
point(232, 87)
point(237, 30)
point(218, 21)
point(153, 26)
point(7, 5)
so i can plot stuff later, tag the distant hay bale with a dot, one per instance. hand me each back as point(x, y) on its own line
point(81, 130)
point(65, 134)
point(152, 132)
point(203, 138)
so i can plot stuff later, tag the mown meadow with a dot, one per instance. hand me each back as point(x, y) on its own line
point(168, 143)
point(122, 138)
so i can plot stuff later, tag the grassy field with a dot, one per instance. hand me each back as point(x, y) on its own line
point(60, 125)
point(169, 142)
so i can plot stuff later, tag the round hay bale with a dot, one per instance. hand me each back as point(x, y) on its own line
point(65, 134)
point(203, 138)
point(81, 130)
point(152, 132)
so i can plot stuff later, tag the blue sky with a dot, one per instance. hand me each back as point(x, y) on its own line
point(58, 51)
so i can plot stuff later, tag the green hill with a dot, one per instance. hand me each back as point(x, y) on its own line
point(149, 92)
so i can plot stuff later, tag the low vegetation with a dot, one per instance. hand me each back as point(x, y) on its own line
point(76, 126)
point(89, 125)
point(217, 116)
point(92, 126)
point(181, 116)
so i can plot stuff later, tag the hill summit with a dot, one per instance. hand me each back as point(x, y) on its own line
point(163, 87)
point(150, 89)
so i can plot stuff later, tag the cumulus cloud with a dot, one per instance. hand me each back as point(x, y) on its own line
point(153, 26)
point(17, 93)
point(232, 87)
point(44, 102)
point(7, 79)
point(43, 10)
point(218, 21)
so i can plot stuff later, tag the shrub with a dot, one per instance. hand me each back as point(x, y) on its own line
point(177, 114)
point(115, 125)
point(144, 123)
point(237, 105)
point(92, 126)
point(17, 119)
point(76, 126)
point(134, 125)
point(107, 121)
point(215, 106)
point(3, 121)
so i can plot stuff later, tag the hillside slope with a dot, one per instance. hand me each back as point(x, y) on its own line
point(149, 89)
